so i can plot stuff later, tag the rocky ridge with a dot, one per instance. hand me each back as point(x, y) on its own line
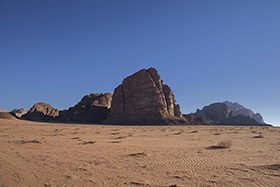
point(222, 114)
point(142, 98)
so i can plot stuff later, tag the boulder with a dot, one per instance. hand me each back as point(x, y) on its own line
point(142, 98)
point(93, 108)
point(41, 112)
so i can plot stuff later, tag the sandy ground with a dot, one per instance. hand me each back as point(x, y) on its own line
point(52, 154)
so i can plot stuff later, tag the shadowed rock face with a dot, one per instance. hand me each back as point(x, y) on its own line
point(93, 108)
point(41, 112)
point(142, 98)
point(239, 109)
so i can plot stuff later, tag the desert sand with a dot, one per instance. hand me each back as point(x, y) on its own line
point(59, 154)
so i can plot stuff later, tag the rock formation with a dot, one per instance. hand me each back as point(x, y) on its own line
point(41, 112)
point(142, 98)
point(6, 115)
point(239, 109)
point(196, 120)
point(222, 114)
point(93, 108)
point(19, 112)
point(215, 113)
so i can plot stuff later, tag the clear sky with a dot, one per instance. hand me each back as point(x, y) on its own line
point(57, 51)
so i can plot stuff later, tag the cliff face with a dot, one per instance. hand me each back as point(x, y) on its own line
point(142, 98)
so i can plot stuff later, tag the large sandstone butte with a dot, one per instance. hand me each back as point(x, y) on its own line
point(41, 112)
point(142, 98)
point(93, 108)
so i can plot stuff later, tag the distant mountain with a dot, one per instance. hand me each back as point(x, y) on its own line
point(239, 109)
point(19, 112)
point(222, 114)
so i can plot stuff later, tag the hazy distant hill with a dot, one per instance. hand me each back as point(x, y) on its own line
point(239, 109)
point(222, 114)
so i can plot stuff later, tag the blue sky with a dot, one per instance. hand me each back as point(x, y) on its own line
point(207, 51)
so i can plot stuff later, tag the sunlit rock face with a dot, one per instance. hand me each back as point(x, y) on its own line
point(142, 98)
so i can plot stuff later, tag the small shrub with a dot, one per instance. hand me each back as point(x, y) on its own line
point(225, 144)
point(221, 145)
point(259, 136)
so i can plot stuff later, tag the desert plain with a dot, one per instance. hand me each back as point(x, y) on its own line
point(64, 154)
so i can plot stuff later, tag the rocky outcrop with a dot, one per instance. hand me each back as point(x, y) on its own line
point(142, 98)
point(93, 108)
point(41, 112)
point(6, 115)
point(241, 110)
point(19, 112)
point(222, 114)
point(194, 120)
